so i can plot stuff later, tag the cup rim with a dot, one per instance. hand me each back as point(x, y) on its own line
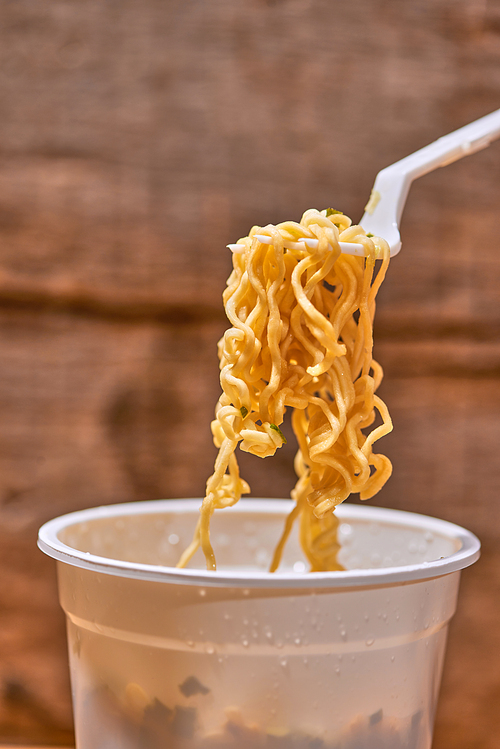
point(467, 553)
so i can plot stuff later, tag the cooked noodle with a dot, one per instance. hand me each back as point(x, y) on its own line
point(301, 337)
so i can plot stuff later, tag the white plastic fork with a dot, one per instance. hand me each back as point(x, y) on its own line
point(388, 197)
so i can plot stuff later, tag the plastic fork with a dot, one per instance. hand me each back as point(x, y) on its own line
point(388, 197)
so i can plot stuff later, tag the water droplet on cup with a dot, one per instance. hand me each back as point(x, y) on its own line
point(261, 556)
point(223, 540)
point(369, 641)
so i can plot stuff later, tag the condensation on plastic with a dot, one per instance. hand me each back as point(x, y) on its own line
point(330, 655)
point(131, 540)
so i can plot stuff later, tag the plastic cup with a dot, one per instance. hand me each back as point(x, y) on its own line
point(188, 659)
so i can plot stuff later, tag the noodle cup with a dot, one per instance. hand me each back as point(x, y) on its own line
point(180, 658)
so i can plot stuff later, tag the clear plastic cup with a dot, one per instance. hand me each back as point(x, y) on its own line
point(188, 659)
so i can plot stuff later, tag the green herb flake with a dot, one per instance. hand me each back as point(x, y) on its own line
point(244, 412)
point(370, 234)
point(277, 429)
point(332, 212)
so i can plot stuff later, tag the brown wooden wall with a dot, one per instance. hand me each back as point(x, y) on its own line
point(137, 138)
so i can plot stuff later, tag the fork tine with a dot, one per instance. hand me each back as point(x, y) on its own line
point(348, 248)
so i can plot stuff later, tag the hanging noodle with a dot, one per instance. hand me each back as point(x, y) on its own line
point(301, 337)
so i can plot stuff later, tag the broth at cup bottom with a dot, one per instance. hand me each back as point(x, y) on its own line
point(137, 722)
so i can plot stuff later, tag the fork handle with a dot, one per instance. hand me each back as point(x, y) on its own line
point(393, 183)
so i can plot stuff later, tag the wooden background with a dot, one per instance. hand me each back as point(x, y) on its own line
point(137, 138)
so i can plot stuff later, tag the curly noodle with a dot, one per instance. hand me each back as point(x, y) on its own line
point(301, 337)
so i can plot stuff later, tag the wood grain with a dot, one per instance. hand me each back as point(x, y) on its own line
point(136, 140)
